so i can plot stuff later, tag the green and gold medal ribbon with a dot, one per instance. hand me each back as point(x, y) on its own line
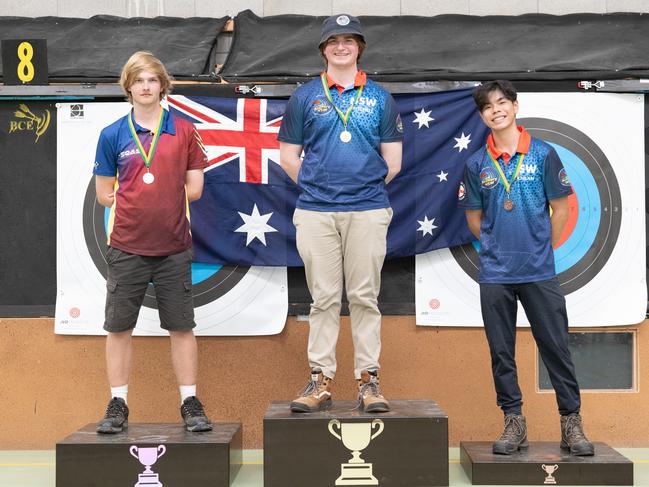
point(147, 157)
point(506, 183)
point(343, 116)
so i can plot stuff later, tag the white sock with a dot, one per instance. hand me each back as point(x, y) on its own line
point(120, 391)
point(187, 391)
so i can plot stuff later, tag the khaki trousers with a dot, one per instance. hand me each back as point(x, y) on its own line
point(350, 244)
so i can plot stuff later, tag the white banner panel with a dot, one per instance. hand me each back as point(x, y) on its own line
point(601, 260)
point(228, 300)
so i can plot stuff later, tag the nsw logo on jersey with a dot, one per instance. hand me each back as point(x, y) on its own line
point(488, 177)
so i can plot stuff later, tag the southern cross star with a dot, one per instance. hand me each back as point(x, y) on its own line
point(462, 142)
point(422, 118)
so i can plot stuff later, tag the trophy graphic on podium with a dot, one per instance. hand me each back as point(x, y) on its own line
point(550, 469)
point(147, 457)
point(356, 437)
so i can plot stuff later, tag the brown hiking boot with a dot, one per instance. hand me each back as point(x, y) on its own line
point(573, 437)
point(514, 436)
point(369, 394)
point(316, 396)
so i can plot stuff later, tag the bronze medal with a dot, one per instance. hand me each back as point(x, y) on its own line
point(508, 205)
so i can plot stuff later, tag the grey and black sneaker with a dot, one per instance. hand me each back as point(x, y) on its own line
point(573, 437)
point(194, 415)
point(116, 417)
point(514, 435)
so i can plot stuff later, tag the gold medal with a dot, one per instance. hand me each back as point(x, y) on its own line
point(345, 136)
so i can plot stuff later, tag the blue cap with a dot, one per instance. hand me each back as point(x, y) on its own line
point(340, 24)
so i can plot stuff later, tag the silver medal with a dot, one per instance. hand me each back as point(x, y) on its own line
point(345, 136)
point(148, 178)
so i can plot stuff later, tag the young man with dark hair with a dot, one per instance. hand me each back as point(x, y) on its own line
point(508, 210)
point(149, 166)
point(350, 130)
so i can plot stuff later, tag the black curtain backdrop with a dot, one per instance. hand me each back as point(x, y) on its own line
point(27, 208)
point(450, 47)
point(99, 46)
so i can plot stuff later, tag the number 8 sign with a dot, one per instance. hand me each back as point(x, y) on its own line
point(24, 62)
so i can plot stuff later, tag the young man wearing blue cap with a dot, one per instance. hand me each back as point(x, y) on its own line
point(350, 131)
point(508, 210)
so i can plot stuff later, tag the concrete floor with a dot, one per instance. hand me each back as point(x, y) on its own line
point(37, 468)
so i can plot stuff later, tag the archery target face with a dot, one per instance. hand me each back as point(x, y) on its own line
point(598, 256)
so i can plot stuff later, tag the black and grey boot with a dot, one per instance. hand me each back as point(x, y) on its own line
point(573, 437)
point(514, 435)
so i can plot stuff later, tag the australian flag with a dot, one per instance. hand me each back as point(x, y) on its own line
point(245, 214)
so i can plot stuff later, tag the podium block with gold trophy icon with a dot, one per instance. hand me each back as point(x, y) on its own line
point(356, 437)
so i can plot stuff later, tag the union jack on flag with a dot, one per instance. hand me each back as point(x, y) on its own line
point(243, 129)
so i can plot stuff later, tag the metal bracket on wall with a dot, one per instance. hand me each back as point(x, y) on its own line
point(617, 85)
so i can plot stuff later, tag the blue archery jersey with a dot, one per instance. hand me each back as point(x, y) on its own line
point(516, 245)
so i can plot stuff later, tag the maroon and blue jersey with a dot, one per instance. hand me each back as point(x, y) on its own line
point(334, 175)
point(149, 219)
point(516, 245)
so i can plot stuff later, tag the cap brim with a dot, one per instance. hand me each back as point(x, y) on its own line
point(340, 31)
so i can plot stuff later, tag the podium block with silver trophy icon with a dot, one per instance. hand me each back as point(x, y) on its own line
point(150, 455)
point(406, 447)
point(544, 463)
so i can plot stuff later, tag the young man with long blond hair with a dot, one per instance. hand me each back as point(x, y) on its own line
point(148, 167)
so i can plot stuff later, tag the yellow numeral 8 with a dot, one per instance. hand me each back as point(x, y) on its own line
point(25, 67)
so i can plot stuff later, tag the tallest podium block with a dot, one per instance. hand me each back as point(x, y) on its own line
point(406, 447)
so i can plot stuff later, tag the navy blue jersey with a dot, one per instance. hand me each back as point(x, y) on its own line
point(516, 245)
point(339, 176)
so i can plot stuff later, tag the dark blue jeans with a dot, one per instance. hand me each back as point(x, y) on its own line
point(545, 307)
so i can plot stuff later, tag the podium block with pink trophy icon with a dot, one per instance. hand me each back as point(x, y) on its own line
point(150, 455)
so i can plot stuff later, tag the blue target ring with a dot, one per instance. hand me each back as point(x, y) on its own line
point(583, 234)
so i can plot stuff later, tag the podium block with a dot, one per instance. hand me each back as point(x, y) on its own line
point(544, 463)
point(149, 455)
point(406, 447)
